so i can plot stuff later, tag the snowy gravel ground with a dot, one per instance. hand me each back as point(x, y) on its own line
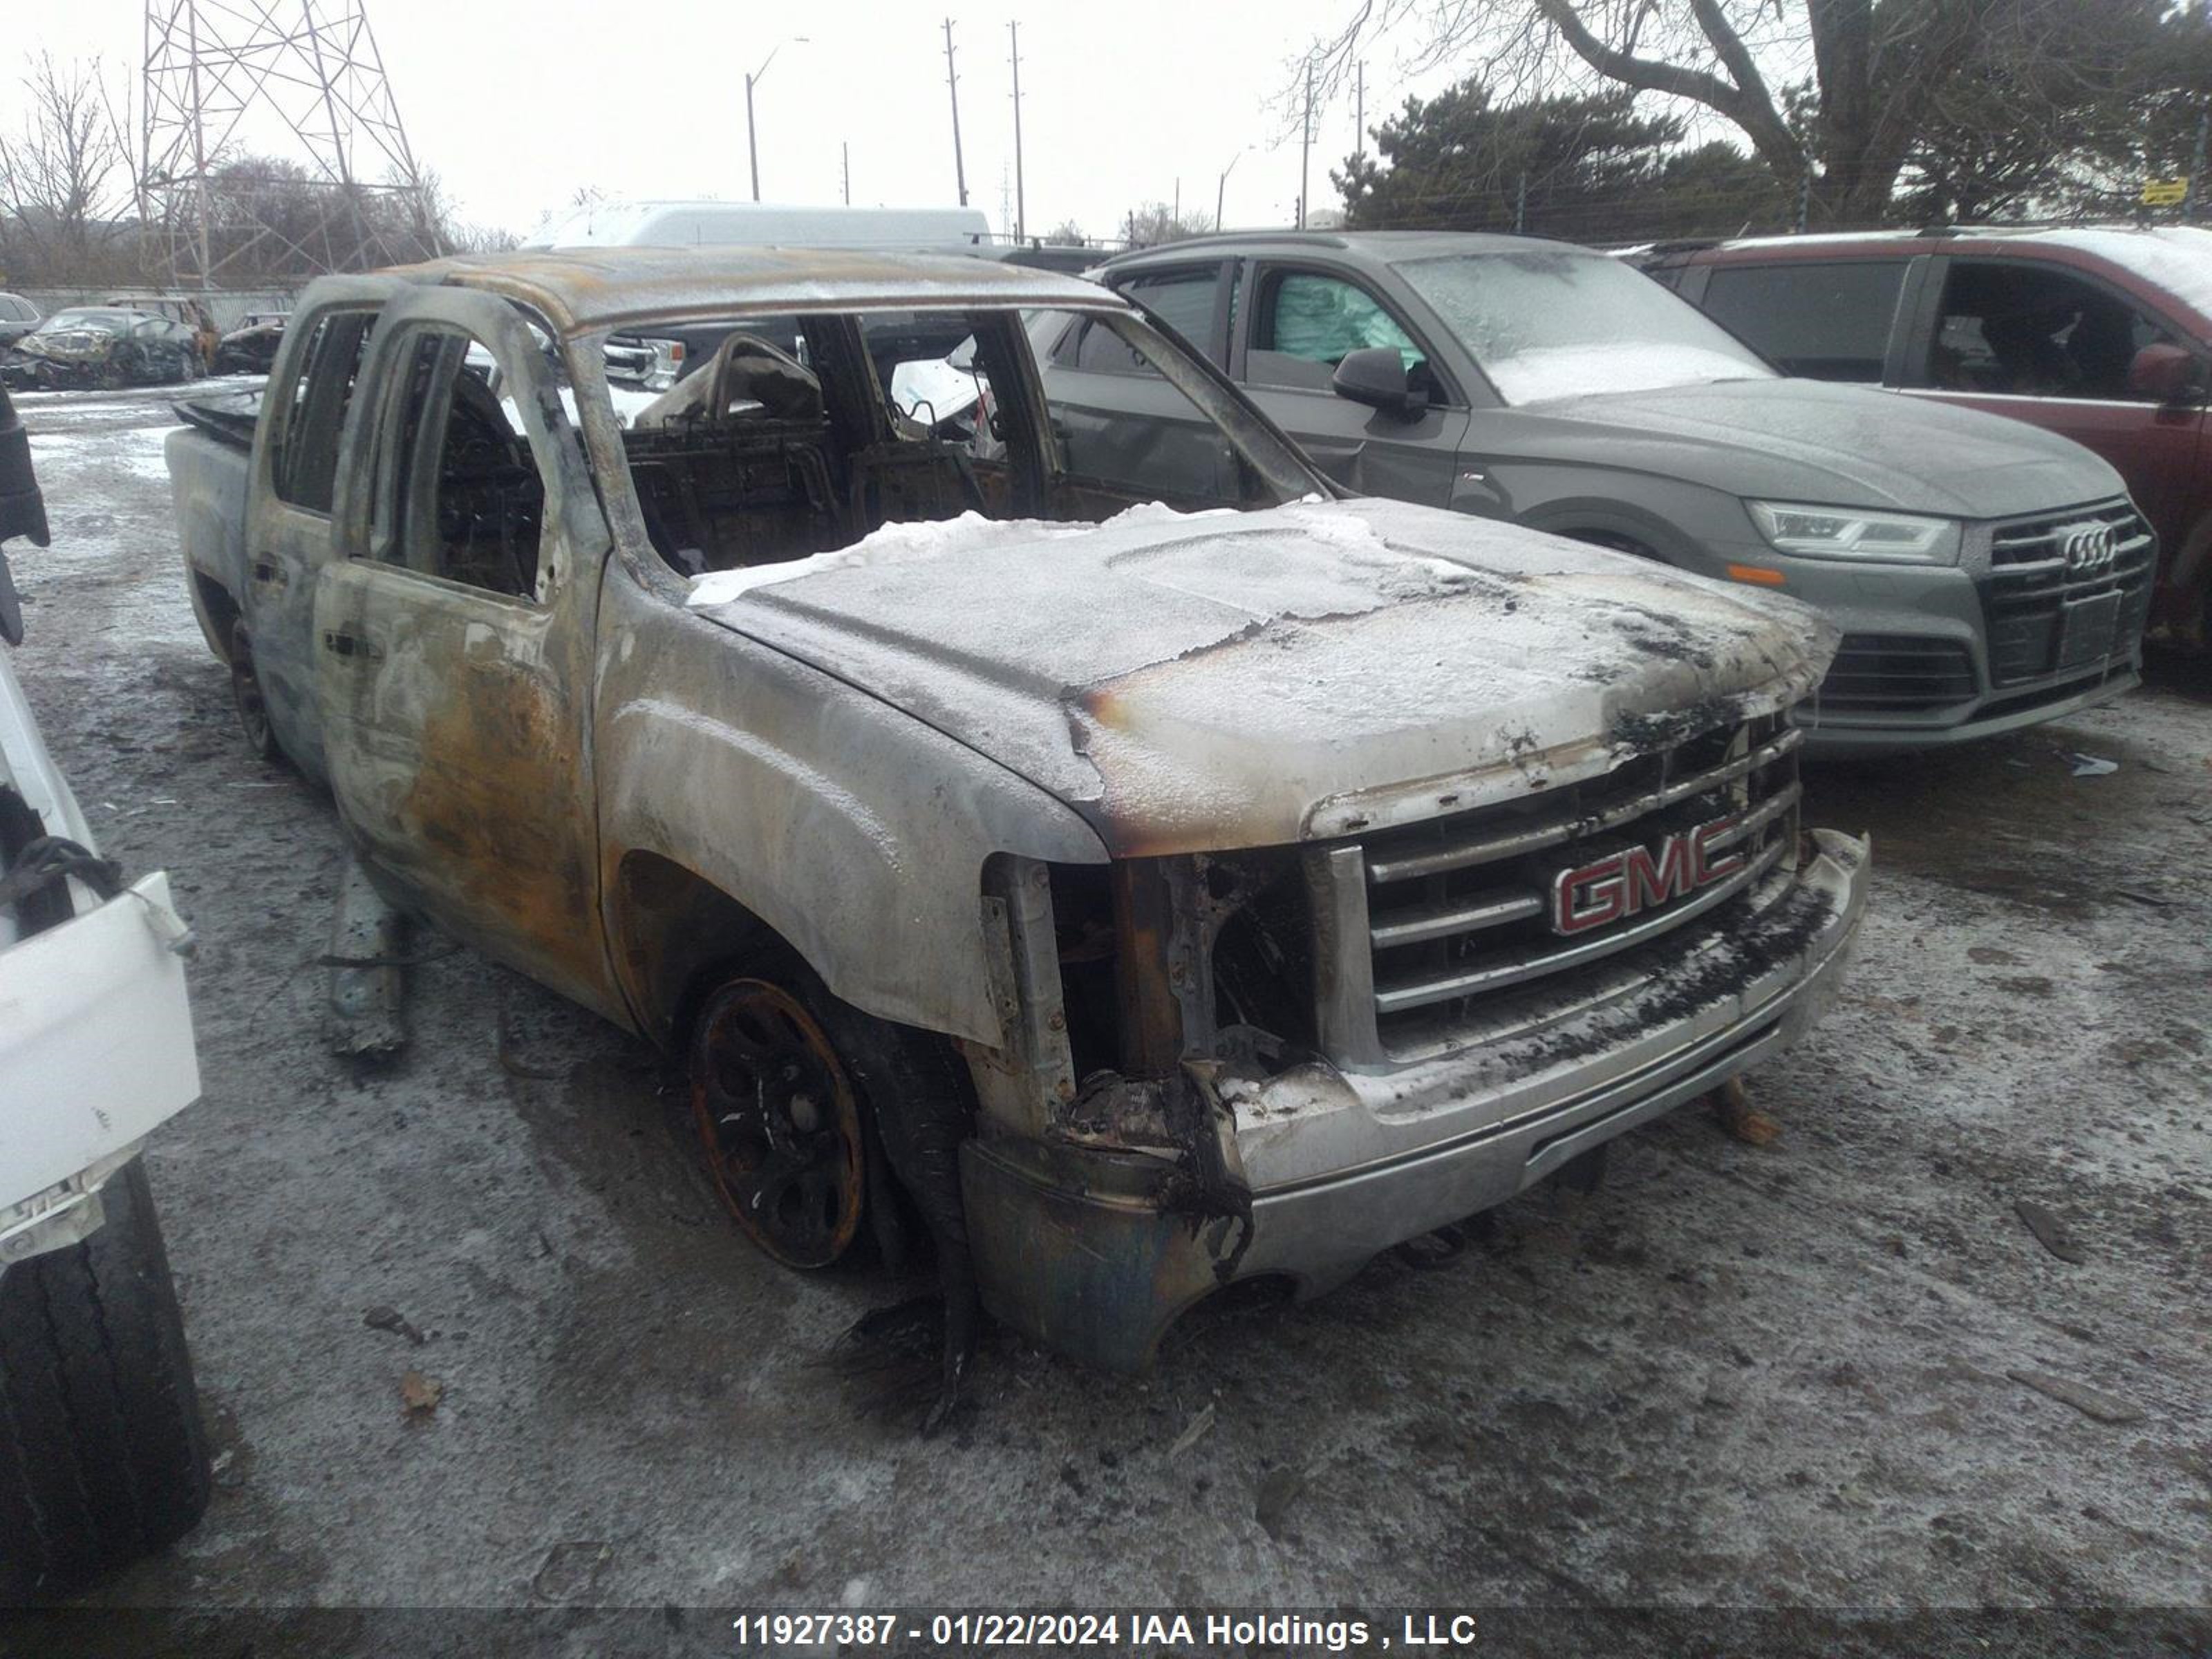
point(1754, 1377)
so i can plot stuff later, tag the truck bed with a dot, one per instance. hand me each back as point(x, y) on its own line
point(210, 459)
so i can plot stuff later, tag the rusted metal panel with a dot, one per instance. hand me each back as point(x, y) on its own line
point(857, 834)
point(582, 289)
point(456, 719)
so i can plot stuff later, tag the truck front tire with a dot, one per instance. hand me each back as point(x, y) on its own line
point(102, 1456)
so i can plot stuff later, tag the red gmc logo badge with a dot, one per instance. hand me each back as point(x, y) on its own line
point(1618, 885)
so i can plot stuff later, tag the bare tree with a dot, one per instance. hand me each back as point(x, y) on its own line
point(58, 173)
point(1156, 223)
point(1836, 93)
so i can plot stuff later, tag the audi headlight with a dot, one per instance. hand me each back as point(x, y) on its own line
point(1835, 533)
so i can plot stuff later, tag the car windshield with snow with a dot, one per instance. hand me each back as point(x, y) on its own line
point(1513, 378)
point(1079, 818)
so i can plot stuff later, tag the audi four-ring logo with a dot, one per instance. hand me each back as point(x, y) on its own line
point(2088, 547)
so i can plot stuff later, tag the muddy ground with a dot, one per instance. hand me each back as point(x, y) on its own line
point(1762, 1377)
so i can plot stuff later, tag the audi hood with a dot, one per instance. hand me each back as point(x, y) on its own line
point(1809, 440)
point(1217, 680)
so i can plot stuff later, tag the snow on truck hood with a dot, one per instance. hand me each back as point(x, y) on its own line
point(1813, 440)
point(1216, 680)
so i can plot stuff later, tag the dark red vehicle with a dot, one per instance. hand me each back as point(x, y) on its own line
point(2102, 334)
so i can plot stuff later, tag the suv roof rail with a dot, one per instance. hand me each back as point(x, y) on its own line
point(1316, 238)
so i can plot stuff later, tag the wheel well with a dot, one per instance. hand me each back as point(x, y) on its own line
point(217, 611)
point(676, 935)
point(1611, 538)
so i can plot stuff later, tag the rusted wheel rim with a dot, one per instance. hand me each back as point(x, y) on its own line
point(245, 691)
point(780, 1123)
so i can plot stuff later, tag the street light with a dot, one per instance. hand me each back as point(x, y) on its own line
point(752, 145)
point(1221, 188)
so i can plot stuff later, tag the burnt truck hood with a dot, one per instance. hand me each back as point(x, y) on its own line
point(1221, 680)
point(1839, 446)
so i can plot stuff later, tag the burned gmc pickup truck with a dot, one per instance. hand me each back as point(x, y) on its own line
point(1091, 838)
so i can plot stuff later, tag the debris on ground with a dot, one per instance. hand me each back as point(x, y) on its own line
point(571, 1570)
point(1278, 1492)
point(2092, 766)
point(419, 1395)
point(1732, 1106)
point(1200, 1425)
point(2050, 1231)
point(381, 1318)
point(2092, 1403)
point(2137, 897)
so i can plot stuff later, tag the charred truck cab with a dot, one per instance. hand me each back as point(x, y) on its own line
point(1166, 872)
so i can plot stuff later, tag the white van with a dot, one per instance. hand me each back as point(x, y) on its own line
point(767, 224)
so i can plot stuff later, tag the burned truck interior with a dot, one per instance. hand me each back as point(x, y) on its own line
point(780, 447)
point(792, 436)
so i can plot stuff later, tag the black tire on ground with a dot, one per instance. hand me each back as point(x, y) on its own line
point(253, 722)
point(102, 1457)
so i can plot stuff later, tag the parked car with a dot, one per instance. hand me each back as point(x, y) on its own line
point(1985, 575)
point(251, 347)
point(2101, 334)
point(1162, 871)
point(189, 309)
point(96, 346)
point(101, 1451)
point(18, 317)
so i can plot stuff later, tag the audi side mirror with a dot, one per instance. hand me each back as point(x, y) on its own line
point(2166, 374)
point(1375, 376)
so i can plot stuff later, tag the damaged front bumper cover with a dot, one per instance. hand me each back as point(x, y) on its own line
point(1095, 1251)
point(96, 1048)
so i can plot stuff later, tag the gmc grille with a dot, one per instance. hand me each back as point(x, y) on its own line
point(1423, 926)
point(2049, 615)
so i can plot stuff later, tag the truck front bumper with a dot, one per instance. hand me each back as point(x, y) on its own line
point(96, 1049)
point(1087, 1250)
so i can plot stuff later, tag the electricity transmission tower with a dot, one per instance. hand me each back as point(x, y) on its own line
point(303, 79)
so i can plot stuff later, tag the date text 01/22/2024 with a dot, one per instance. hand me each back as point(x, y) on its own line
point(1335, 1634)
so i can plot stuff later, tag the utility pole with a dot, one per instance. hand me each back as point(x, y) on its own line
point(752, 146)
point(952, 83)
point(1014, 37)
point(1177, 220)
point(1521, 204)
point(1359, 112)
point(1305, 145)
point(846, 149)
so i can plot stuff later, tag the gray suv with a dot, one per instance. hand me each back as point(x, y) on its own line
point(1969, 560)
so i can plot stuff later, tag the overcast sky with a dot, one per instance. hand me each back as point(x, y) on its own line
point(517, 104)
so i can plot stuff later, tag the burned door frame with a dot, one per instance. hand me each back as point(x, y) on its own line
point(287, 544)
point(456, 717)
